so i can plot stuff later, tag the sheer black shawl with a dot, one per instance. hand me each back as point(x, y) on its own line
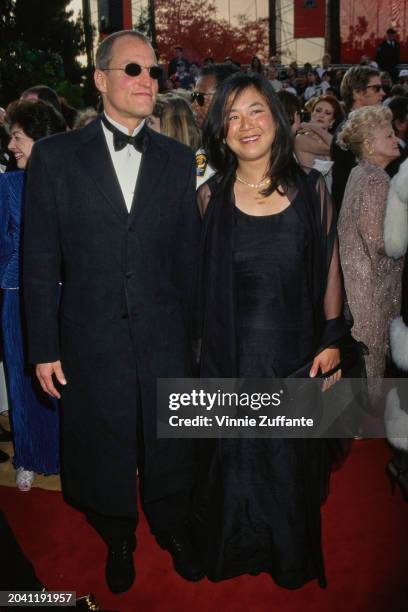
point(215, 322)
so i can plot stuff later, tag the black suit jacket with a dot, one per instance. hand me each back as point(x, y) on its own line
point(388, 56)
point(344, 162)
point(124, 316)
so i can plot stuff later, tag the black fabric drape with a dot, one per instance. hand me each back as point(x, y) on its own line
point(215, 323)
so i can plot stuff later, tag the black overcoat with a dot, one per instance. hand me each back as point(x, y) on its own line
point(124, 315)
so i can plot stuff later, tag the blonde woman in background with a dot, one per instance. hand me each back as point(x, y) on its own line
point(172, 116)
point(84, 117)
point(372, 279)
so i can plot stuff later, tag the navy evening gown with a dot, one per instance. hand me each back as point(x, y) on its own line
point(34, 415)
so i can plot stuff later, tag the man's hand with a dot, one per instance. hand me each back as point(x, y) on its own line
point(326, 361)
point(45, 371)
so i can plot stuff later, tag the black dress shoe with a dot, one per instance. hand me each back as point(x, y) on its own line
point(185, 560)
point(120, 569)
point(5, 435)
point(3, 457)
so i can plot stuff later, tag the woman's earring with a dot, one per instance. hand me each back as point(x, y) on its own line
point(224, 141)
point(369, 147)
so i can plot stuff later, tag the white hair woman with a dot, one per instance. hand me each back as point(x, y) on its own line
point(372, 279)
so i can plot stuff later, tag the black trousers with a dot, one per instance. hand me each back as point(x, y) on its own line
point(164, 514)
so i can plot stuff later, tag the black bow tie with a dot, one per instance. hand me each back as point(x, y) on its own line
point(120, 140)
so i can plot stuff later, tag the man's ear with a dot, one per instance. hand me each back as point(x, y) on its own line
point(357, 94)
point(100, 80)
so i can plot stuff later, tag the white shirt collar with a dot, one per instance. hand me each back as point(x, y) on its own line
point(122, 128)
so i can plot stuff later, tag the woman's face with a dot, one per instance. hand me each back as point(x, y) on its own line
point(250, 126)
point(383, 146)
point(311, 78)
point(20, 145)
point(323, 113)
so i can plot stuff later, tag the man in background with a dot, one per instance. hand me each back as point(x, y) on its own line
point(210, 78)
point(361, 86)
point(177, 60)
point(388, 54)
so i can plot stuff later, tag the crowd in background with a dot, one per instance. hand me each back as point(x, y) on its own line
point(321, 103)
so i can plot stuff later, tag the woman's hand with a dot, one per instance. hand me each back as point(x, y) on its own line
point(326, 361)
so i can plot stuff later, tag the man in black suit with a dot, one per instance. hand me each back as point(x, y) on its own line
point(361, 86)
point(178, 59)
point(101, 216)
point(388, 54)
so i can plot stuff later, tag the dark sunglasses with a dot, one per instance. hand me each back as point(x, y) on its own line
point(133, 70)
point(199, 97)
point(377, 88)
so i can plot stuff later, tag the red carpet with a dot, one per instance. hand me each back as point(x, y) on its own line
point(365, 545)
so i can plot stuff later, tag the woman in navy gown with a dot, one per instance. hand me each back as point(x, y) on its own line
point(34, 417)
point(270, 302)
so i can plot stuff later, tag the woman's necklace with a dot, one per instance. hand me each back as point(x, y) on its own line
point(264, 181)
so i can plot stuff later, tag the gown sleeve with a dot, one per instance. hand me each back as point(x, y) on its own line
point(203, 199)
point(334, 326)
point(370, 222)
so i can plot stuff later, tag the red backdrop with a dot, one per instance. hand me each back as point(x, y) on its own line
point(363, 24)
point(309, 18)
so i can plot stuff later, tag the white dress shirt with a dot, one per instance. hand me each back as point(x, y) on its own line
point(126, 162)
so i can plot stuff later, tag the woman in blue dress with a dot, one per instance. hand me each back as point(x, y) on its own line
point(34, 417)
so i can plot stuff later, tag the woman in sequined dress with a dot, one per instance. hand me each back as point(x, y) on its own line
point(372, 279)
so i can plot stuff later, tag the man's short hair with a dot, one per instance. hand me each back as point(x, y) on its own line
point(391, 31)
point(45, 93)
point(220, 72)
point(398, 90)
point(356, 79)
point(104, 52)
point(399, 108)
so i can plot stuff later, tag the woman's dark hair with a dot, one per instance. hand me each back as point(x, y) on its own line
point(291, 104)
point(37, 119)
point(282, 167)
point(316, 74)
point(399, 108)
point(256, 65)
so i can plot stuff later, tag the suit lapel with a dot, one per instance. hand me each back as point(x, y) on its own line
point(95, 157)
